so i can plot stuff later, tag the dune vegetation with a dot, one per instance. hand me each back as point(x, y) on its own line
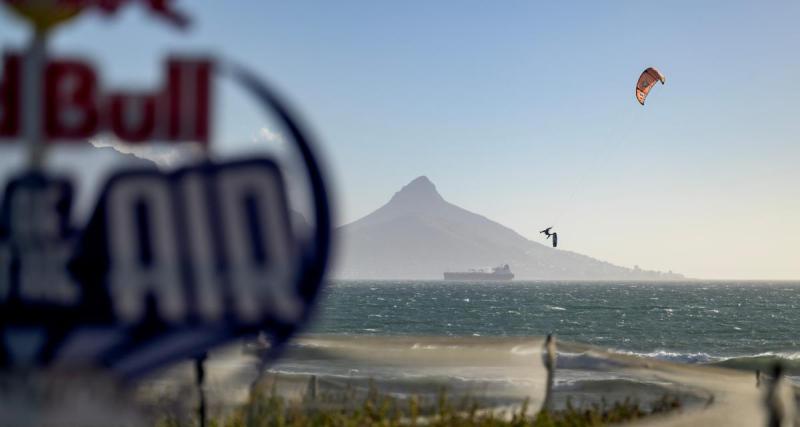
point(375, 409)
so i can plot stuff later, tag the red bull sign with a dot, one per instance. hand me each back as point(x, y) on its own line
point(169, 263)
point(77, 107)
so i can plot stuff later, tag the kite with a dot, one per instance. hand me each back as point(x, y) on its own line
point(646, 82)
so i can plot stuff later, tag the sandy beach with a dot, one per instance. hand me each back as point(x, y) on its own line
point(496, 372)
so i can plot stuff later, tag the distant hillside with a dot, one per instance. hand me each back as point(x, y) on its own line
point(419, 235)
point(87, 166)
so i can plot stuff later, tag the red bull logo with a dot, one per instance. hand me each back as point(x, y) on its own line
point(76, 108)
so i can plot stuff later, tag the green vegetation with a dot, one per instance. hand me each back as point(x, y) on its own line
point(373, 409)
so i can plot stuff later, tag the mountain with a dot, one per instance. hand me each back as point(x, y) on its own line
point(419, 235)
point(86, 166)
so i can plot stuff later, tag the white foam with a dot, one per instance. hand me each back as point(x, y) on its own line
point(674, 356)
point(525, 350)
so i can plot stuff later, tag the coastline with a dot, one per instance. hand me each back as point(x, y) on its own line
point(497, 372)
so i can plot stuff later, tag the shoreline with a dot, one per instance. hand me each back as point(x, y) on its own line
point(499, 372)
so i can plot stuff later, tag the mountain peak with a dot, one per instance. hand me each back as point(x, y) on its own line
point(419, 191)
point(420, 183)
point(418, 235)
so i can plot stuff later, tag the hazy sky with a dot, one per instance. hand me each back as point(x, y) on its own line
point(524, 112)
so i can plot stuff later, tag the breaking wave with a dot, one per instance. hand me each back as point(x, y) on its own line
point(762, 361)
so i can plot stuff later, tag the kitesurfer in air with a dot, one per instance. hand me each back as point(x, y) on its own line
point(548, 234)
point(647, 80)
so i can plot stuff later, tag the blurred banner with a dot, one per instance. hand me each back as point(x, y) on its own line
point(170, 262)
point(76, 108)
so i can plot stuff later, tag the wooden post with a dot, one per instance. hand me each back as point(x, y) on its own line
point(550, 364)
point(312, 389)
point(200, 375)
point(779, 399)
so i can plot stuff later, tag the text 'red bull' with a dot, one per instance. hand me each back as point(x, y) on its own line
point(75, 107)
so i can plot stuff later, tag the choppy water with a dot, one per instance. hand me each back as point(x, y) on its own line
point(697, 322)
point(410, 338)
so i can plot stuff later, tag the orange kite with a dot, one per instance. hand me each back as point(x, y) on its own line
point(646, 82)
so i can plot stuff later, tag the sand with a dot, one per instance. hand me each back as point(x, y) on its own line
point(497, 372)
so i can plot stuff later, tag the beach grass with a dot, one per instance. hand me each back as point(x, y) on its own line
point(376, 409)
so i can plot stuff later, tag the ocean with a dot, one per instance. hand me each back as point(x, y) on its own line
point(415, 338)
point(738, 324)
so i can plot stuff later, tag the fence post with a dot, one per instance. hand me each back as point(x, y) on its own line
point(779, 399)
point(550, 364)
point(200, 374)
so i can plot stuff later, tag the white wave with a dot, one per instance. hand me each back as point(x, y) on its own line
point(673, 356)
point(702, 357)
point(418, 346)
point(525, 350)
point(788, 355)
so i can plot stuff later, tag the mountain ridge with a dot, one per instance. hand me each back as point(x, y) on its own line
point(417, 234)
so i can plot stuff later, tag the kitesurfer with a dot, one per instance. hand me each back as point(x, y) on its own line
point(548, 234)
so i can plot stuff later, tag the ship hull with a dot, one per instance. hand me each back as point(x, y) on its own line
point(498, 277)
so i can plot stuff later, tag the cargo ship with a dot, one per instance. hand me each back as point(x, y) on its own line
point(502, 273)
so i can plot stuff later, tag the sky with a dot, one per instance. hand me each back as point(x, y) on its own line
point(522, 111)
